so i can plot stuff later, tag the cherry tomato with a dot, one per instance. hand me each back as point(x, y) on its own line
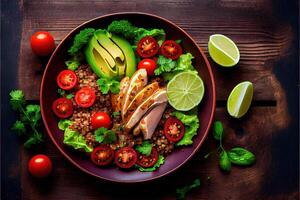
point(149, 65)
point(125, 157)
point(147, 47)
point(147, 161)
point(66, 79)
point(173, 129)
point(42, 43)
point(171, 49)
point(62, 107)
point(100, 119)
point(40, 166)
point(102, 155)
point(85, 97)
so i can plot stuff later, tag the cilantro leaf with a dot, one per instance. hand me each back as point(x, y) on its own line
point(19, 127)
point(116, 114)
point(105, 136)
point(191, 125)
point(29, 115)
point(69, 96)
point(106, 84)
point(74, 62)
point(80, 40)
point(63, 124)
point(164, 65)
point(145, 148)
point(17, 99)
point(160, 161)
point(61, 92)
point(181, 192)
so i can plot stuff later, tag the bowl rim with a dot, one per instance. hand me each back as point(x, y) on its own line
point(160, 175)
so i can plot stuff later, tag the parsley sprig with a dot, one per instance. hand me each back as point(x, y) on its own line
point(30, 119)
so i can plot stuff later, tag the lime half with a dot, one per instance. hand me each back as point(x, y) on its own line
point(223, 50)
point(240, 99)
point(185, 91)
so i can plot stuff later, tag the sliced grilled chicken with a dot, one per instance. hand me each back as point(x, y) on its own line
point(136, 84)
point(149, 123)
point(140, 98)
point(159, 97)
point(117, 99)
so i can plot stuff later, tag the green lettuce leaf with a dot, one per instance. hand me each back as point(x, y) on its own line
point(63, 124)
point(191, 125)
point(76, 140)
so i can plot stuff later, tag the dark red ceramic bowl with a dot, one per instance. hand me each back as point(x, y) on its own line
point(181, 155)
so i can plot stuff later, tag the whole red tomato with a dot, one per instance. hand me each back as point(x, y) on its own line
point(42, 43)
point(148, 64)
point(100, 119)
point(40, 166)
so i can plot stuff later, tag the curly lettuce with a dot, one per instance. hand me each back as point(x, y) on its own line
point(191, 125)
point(75, 140)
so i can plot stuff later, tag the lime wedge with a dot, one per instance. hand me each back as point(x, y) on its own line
point(185, 91)
point(223, 50)
point(240, 99)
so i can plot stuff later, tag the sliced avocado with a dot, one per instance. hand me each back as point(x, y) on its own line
point(100, 60)
point(128, 53)
point(104, 40)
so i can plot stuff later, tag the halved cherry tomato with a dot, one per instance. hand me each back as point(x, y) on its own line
point(66, 79)
point(147, 161)
point(147, 47)
point(173, 129)
point(100, 119)
point(62, 107)
point(125, 157)
point(42, 43)
point(40, 166)
point(102, 155)
point(85, 97)
point(149, 65)
point(171, 49)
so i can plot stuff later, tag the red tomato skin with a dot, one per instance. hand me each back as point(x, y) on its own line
point(40, 166)
point(126, 165)
point(65, 101)
point(153, 155)
point(147, 47)
point(149, 65)
point(170, 121)
point(85, 90)
point(60, 77)
point(99, 148)
point(42, 43)
point(166, 44)
point(100, 119)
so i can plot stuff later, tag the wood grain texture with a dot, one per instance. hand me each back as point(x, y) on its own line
point(264, 38)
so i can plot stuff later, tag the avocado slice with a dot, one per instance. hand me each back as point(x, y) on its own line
point(101, 62)
point(104, 40)
point(128, 52)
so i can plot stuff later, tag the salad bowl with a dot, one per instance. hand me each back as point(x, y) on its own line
point(179, 157)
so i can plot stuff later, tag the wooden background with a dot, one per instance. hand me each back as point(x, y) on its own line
point(267, 34)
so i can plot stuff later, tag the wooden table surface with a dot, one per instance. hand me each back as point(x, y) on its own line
point(267, 34)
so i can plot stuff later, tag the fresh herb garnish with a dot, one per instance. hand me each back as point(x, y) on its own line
point(181, 192)
point(116, 114)
point(80, 40)
point(160, 161)
point(145, 148)
point(241, 156)
point(63, 93)
point(164, 65)
point(107, 84)
point(178, 41)
point(224, 161)
point(218, 130)
point(103, 135)
point(63, 124)
point(238, 155)
point(30, 118)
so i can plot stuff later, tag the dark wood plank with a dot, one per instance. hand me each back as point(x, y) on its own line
point(260, 42)
point(67, 182)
